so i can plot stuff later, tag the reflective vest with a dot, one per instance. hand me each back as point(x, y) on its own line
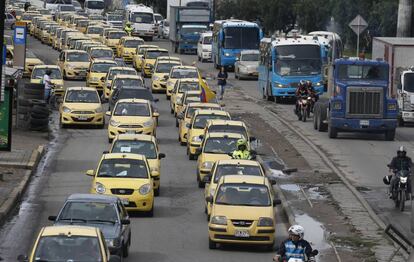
point(128, 30)
point(238, 154)
point(293, 251)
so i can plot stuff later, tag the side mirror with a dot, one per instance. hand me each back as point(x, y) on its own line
point(276, 202)
point(154, 173)
point(125, 222)
point(399, 86)
point(155, 114)
point(180, 116)
point(204, 78)
point(52, 218)
point(209, 199)
point(198, 151)
point(161, 155)
point(90, 172)
point(108, 113)
point(207, 179)
point(185, 135)
point(272, 181)
point(105, 152)
point(156, 100)
point(166, 77)
point(114, 258)
point(22, 258)
point(103, 78)
point(201, 137)
point(252, 138)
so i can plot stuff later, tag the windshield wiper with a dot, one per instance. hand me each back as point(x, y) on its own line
point(101, 221)
point(73, 219)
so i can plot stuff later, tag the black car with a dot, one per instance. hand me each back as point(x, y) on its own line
point(126, 92)
point(103, 211)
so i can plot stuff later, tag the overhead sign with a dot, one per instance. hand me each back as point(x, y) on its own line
point(358, 25)
point(20, 35)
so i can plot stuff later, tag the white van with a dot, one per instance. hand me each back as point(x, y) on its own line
point(94, 7)
point(142, 20)
point(204, 46)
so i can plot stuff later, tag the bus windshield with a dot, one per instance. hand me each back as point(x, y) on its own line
point(144, 18)
point(298, 60)
point(95, 5)
point(241, 38)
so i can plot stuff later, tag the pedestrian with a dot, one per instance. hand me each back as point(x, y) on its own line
point(48, 85)
point(221, 81)
point(26, 6)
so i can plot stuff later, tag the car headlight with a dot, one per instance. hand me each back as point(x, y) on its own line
point(219, 220)
point(145, 189)
point(100, 188)
point(112, 242)
point(114, 123)
point(196, 139)
point(279, 85)
point(319, 83)
point(148, 123)
point(265, 222)
point(98, 110)
point(207, 165)
point(226, 54)
point(155, 169)
point(66, 109)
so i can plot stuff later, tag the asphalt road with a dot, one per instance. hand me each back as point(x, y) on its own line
point(178, 230)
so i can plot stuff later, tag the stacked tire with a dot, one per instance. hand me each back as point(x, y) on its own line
point(39, 117)
point(32, 110)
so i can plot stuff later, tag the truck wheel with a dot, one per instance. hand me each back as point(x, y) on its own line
point(390, 135)
point(315, 117)
point(269, 95)
point(332, 132)
point(400, 121)
point(322, 117)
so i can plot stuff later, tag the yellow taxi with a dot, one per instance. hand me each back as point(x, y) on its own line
point(101, 52)
point(46, 14)
point(56, 77)
point(94, 32)
point(114, 71)
point(215, 146)
point(31, 62)
point(81, 25)
point(228, 126)
point(127, 176)
point(181, 86)
point(78, 43)
point(196, 128)
point(127, 47)
point(124, 80)
point(169, 58)
point(69, 243)
point(98, 69)
point(27, 17)
point(149, 58)
point(81, 106)
point(242, 212)
point(134, 116)
point(105, 33)
point(178, 72)
point(45, 34)
point(184, 118)
point(230, 167)
point(74, 64)
point(139, 52)
point(144, 145)
point(72, 40)
point(69, 36)
point(161, 69)
point(113, 37)
point(188, 97)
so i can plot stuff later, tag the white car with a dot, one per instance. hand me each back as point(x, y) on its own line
point(246, 65)
point(164, 29)
point(204, 47)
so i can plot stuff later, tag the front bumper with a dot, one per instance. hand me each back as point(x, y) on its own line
point(76, 73)
point(192, 147)
point(158, 85)
point(255, 234)
point(407, 116)
point(128, 57)
point(82, 119)
point(249, 74)
point(363, 125)
point(206, 55)
point(183, 132)
point(95, 84)
point(136, 201)
point(114, 131)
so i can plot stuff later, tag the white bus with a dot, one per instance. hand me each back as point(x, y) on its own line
point(52, 5)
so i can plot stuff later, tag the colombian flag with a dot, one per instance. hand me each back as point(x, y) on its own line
point(206, 94)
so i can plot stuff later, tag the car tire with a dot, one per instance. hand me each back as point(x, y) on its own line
point(157, 191)
point(212, 244)
point(176, 123)
point(125, 250)
point(110, 140)
point(151, 212)
point(183, 143)
point(39, 122)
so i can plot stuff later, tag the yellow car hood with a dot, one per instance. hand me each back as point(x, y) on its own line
point(82, 106)
point(153, 163)
point(214, 157)
point(129, 50)
point(79, 64)
point(242, 212)
point(150, 61)
point(114, 182)
point(33, 61)
point(112, 42)
point(97, 75)
point(131, 119)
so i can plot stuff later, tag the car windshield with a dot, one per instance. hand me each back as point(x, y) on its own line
point(77, 57)
point(164, 67)
point(67, 8)
point(144, 18)
point(192, 109)
point(131, 109)
point(363, 72)
point(193, 30)
point(112, 18)
point(250, 57)
point(201, 120)
point(115, 72)
point(101, 67)
point(220, 145)
point(243, 195)
point(224, 170)
point(94, 212)
point(298, 60)
point(207, 40)
point(116, 35)
point(228, 129)
point(95, 30)
point(83, 23)
point(409, 82)
point(155, 54)
point(68, 248)
point(127, 82)
point(95, 4)
point(241, 38)
point(123, 168)
point(82, 96)
point(188, 86)
point(184, 73)
point(133, 43)
point(97, 53)
point(39, 73)
point(139, 93)
point(191, 98)
point(158, 17)
point(146, 148)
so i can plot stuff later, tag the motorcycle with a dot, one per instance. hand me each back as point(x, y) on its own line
point(400, 192)
point(314, 253)
point(304, 107)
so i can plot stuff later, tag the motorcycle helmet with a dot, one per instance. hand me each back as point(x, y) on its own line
point(297, 230)
point(241, 144)
point(308, 83)
point(401, 151)
point(128, 23)
point(302, 83)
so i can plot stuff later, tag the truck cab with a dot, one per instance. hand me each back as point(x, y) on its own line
point(357, 100)
point(405, 97)
point(189, 34)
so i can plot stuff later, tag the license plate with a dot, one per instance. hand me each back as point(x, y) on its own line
point(242, 233)
point(82, 117)
point(364, 122)
point(130, 132)
point(125, 201)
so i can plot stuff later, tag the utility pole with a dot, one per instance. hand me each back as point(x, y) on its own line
point(404, 18)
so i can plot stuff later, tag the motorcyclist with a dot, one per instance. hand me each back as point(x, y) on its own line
point(128, 28)
point(242, 152)
point(295, 246)
point(301, 91)
point(398, 163)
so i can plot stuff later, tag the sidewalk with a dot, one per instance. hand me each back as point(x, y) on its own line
point(17, 166)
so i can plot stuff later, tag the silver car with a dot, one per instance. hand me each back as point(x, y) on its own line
point(9, 22)
point(246, 65)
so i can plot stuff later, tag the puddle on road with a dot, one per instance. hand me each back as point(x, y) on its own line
point(290, 187)
point(274, 165)
point(314, 231)
point(315, 194)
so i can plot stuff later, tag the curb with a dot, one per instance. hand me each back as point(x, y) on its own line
point(30, 165)
point(15, 196)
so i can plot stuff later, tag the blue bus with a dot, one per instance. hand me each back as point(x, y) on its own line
point(230, 37)
point(284, 62)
